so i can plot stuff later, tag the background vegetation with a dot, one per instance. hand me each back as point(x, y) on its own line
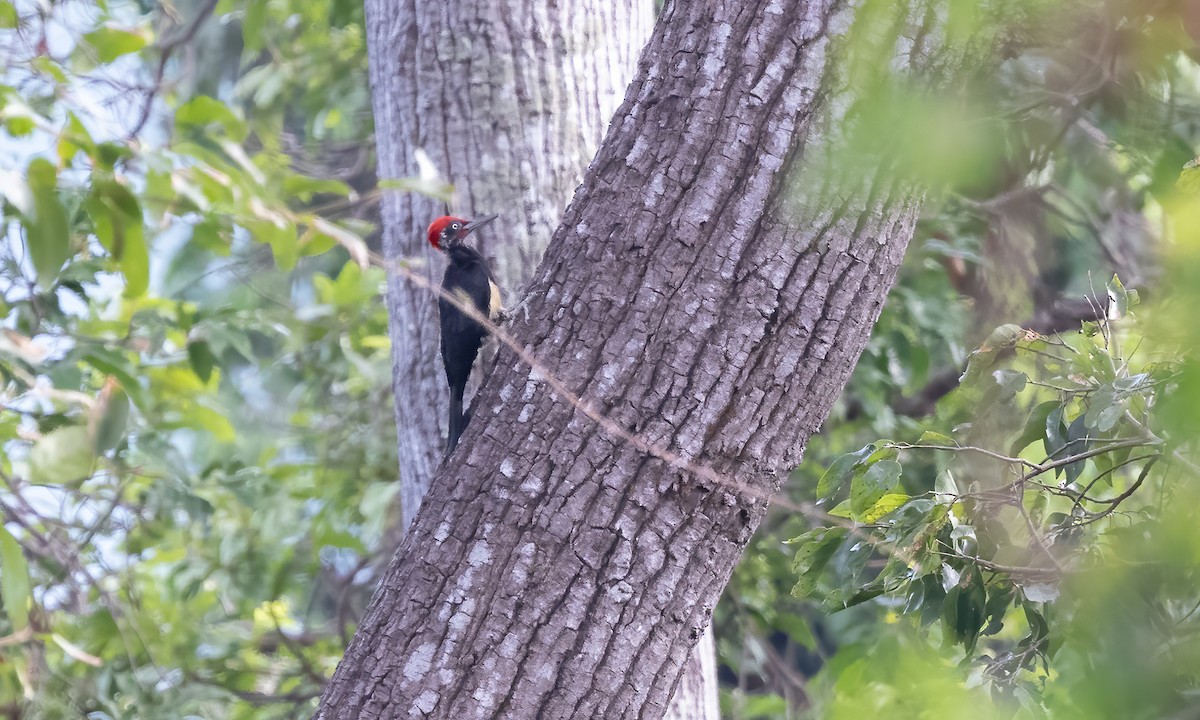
point(197, 437)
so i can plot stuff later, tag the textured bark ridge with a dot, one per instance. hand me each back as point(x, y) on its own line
point(558, 570)
point(510, 99)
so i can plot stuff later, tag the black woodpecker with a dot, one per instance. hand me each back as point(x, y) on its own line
point(468, 278)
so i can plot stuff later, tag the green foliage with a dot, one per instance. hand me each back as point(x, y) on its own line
point(198, 448)
point(1023, 537)
point(109, 42)
point(46, 235)
point(1020, 552)
point(14, 581)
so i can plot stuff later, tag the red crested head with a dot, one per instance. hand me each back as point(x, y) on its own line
point(445, 228)
point(449, 229)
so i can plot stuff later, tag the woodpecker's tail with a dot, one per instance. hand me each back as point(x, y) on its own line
point(458, 422)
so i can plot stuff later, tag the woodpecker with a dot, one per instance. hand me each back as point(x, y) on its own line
point(468, 278)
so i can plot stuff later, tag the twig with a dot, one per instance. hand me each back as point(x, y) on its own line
point(305, 665)
point(967, 448)
point(1114, 502)
point(1083, 495)
point(1017, 570)
point(167, 48)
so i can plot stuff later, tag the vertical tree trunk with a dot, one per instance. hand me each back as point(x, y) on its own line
point(509, 98)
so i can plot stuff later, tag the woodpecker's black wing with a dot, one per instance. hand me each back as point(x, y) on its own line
point(467, 278)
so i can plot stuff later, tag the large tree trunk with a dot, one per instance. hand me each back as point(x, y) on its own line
point(510, 99)
point(563, 567)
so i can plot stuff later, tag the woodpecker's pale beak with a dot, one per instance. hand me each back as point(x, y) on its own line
point(476, 224)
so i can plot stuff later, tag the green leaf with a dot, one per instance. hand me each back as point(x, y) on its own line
point(998, 600)
point(835, 476)
point(222, 337)
point(1132, 383)
point(73, 139)
point(1035, 427)
point(1189, 178)
point(202, 111)
point(252, 24)
point(1038, 627)
point(119, 198)
point(1002, 337)
point(1036, 503)
point(314, 243)
point(111, 42)
point(135, 263)
point(965, 608)
point(842, 509)
point(210, 235)
point(1078, 441)
point(282, 238)
point(305, 187)
point(883, 453)
point(983, 358)
point(46, 232)
point(929, 437)
point(8, 15)
point(944, 484)
point(1118, 299)
point(809, 543)
point(1011, 382)
point(1056, 437)
point(757, 707)
point(113, 417)
point(435, 188)
point(925, 596)
point(869, 487)
point(886, 505)
point(62, 456)
point(111, 362)
point(860, 596)
point(816, 548)
point(797, 629)
point(1107, 405)
point(214, 421)
point(117, 220)
point(15, 586)
point(202, 359)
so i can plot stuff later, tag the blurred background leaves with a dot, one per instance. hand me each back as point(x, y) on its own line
point(1011, 475)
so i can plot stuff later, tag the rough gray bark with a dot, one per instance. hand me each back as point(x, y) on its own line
point(513, 114)
point(558, 570)
point(509, 98)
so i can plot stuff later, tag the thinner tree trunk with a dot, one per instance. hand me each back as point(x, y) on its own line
point(696, 696)
point(509, 98)
point(702, 306)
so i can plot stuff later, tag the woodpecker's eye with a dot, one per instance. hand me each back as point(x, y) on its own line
point(455, 226)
